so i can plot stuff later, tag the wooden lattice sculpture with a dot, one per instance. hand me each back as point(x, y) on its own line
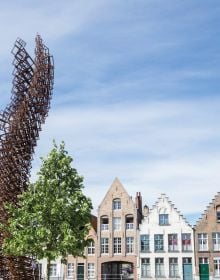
point(20, 124)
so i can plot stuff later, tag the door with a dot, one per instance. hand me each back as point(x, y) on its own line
point(204, 271)
point(80, 271)
point(187, 269)
point(187, 272)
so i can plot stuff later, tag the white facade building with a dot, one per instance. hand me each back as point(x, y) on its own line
point(166, 243)
point(56, 269)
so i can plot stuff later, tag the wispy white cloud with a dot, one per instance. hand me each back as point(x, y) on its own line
point(152, 147)
point(136, 91)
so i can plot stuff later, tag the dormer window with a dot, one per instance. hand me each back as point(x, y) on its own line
point(163, 219)
point(218, 213)
point(116, 204)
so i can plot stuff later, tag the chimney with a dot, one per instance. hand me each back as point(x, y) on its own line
point(139, 202)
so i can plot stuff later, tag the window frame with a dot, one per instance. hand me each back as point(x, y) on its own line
point(70, 270)
point(163, 219)
point(145, 268)
point(104, 221)
point(173, 268)
point(129, 222)
point(104, 245)
point(186, 241)
point(158, 243)
point(203, 260)
point(91, 248)
point(116, 204)
point(173, 242)
point(202, 242)
point(216, 262)
point(130, 245)
point(144, 243)
point(216, 241)
point(159, 267)
point(91, 270)
point(117, 246)
point(53, 270)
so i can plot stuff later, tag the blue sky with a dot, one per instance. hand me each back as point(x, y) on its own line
point(136, 94)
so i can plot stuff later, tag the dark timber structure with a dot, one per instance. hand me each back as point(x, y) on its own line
point(20, 124)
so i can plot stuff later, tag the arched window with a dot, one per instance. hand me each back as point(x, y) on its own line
point(116, 204)
point(104, 223)
point(129, 221)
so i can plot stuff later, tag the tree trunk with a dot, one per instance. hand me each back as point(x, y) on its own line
point(48, 269)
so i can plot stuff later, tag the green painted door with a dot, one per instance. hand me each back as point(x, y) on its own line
point(204, 271)
point(187, 272)
point(80, 271)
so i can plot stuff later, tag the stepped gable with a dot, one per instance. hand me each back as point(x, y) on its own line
point(209, 208)
point(171, 204)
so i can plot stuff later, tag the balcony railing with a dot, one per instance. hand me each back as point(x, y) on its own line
point(117, 277)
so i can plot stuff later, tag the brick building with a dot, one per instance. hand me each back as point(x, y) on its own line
point(118, 220)
point(207, 242)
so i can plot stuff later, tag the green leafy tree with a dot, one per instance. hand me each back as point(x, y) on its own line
point(53, 216)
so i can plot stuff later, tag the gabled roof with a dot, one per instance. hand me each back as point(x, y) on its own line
point(215, 201)
point(115, 184)
point(163, 196)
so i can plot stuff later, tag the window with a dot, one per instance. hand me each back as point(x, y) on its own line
point(159, 267)
point(39, 265)
point(117, 223)
point(203, 241)
point(187, 260)
point(173, 267)
point(117, 204)
point(129, 244)
point(104, 245)
point(216, 241)
point(145, 267)
point(158, 242)
point(218, 213)
point(203, 260)
point(172, 242)
point(70, 269)
point(53, 269)
point(104, 223)
point(117, 245)
point(145, 243)
point(91, 270)
point(91, 248)
point(186, 242)
point(163, 219)
point(129, 220)
point(217, 266)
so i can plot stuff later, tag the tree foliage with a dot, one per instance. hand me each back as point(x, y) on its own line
point(53, 216)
